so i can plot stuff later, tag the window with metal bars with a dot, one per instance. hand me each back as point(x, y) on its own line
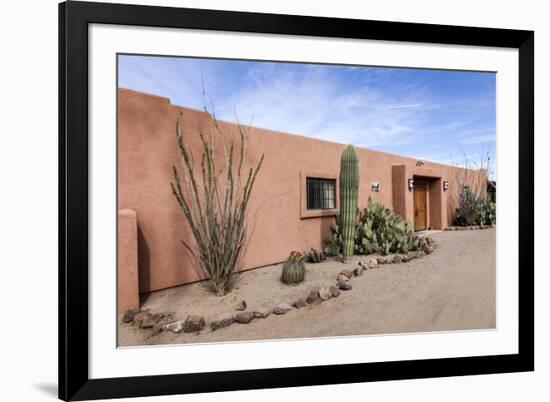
point(321, 193)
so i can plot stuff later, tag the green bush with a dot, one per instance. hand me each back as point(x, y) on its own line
point(474, 209)
point(468, 212)
point(488, 215)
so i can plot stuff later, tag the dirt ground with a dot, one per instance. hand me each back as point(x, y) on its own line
point(452, 289)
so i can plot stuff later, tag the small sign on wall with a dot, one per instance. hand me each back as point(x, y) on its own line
point(375, 186)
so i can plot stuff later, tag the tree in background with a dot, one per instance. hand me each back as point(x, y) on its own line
point(474, 206)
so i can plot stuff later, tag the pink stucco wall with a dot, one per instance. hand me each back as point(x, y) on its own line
point(278, 222)
point(128, 277)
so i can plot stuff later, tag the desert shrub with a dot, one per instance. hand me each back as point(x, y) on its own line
point(214, 203)
point(474, 209)
point(294, 269)
point(488, 214)
point(468, 211)
point(381, 230)
point(469, 186)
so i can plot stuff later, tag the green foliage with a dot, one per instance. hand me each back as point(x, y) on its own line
point(294, 269)
point(381, 230)
point(349, 188)
point(314, 256)
point(474, 209)
point(469, 208)
point(488, 214)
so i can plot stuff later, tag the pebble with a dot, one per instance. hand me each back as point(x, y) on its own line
point(244, 317)
point(282, 308)
point(262, 313)
point(313, 297)
point(193, 323)
point(344, 285)
point(241, 306)
point(222, 322)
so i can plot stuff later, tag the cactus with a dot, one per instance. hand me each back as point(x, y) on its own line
point(380, 230)
point(386, 247)
point(315, 256)
point(333, 239)
point(294, 269)
point(368, 242)
point(349, 188)
point(333, 243)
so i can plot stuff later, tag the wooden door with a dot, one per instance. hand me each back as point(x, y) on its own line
point(420, 205)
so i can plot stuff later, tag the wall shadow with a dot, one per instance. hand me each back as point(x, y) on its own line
point(325, 229)
point(144, 262)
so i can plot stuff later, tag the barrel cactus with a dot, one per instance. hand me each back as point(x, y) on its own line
point(349, 188)
point(294, 269)
point(314, 256)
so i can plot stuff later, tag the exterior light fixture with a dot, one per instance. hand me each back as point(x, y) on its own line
point(445, 185)
point(375, 187)
point(411, 183)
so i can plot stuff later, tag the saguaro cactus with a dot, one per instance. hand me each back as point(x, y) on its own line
point(349, 188)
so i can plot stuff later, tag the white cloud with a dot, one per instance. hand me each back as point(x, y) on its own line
point(315, 103)
point(480, 139)
point(379, 108)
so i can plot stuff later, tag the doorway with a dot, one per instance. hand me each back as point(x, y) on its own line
point(420, 204)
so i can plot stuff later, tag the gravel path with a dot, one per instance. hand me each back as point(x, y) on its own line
point(452, 289)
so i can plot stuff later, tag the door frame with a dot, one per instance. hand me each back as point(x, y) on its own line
point(420, 182)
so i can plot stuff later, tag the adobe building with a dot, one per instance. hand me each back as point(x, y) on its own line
point(292, 205)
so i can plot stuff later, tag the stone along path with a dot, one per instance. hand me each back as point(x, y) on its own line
point(452, 289)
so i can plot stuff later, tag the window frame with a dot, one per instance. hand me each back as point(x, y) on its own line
point(323, 190)
point(317, 213)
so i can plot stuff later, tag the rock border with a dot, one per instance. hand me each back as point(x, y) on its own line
point(195, 323)
point(474, 227)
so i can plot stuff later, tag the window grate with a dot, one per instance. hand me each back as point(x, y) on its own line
point(320, 193)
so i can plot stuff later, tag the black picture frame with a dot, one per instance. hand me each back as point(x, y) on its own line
point(74, 18)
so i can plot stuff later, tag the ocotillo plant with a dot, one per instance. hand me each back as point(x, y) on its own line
point(349, 188)
point(215, 206)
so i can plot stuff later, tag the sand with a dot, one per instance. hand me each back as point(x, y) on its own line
point(452, 289)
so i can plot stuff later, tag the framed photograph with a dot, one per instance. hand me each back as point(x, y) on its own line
point(258, 200)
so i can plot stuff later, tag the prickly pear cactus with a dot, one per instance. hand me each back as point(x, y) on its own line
point(349, 188)
point(294, 269)
point(380, 230)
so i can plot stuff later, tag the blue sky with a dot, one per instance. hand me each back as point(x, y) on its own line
point(427, 114)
